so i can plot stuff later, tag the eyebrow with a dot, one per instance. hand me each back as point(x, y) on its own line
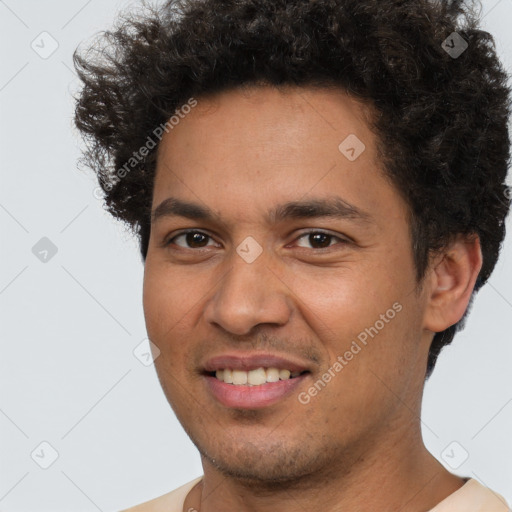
point(333, 207)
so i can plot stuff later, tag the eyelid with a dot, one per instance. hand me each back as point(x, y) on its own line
point(342, 238)
point(307, 232)
point(168, 240)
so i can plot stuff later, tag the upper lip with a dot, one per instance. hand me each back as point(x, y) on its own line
point(252, 361)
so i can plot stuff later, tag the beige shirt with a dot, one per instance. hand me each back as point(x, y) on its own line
point(471, 497)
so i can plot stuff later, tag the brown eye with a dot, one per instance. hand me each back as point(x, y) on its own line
point(192, 240)
point(318, 240)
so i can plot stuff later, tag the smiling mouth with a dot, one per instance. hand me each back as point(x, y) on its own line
point(256, 377)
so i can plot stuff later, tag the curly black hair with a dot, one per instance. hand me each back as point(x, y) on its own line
point(441, 114)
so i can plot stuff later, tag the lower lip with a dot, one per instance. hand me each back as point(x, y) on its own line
point(252, 397)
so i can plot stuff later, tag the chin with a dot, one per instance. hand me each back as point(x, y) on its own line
point(273, 463)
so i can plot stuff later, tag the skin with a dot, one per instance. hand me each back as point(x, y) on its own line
point(357, 444)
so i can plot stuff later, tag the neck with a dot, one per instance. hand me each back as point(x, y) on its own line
point(388, 476)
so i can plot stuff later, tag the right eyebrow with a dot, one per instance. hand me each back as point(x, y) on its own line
point(172, 207)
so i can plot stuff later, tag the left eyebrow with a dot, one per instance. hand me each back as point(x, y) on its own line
point(334, 207)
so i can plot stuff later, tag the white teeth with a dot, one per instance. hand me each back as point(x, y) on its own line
point(272, 375)
point(255, 377)
point(239, 377)
point(284, 374)
point(228, 376)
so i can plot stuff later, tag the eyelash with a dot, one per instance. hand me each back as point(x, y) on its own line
point(305, 234)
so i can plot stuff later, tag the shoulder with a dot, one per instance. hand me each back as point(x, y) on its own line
point(170, 502)
point(473, 497)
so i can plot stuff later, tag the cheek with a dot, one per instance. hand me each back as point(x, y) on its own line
point(370, 320)
point(164, 312)
point(168, 297)
point(174, 301)
point(166, 304)
point(346, 300)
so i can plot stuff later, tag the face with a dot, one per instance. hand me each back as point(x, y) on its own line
point(272, 246)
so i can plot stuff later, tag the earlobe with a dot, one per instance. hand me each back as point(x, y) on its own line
point(452, 279)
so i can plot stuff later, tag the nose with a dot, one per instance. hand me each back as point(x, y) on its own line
point(248, 295)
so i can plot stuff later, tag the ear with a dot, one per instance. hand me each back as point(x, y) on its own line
point(452, 279)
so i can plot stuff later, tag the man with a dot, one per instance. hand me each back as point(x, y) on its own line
point(319, 190)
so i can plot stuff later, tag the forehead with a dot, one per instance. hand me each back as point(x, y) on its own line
point(266, 144)
point(299, 110)
point(262, 116)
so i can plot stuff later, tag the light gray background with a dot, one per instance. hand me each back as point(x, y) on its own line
point(68, 375)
